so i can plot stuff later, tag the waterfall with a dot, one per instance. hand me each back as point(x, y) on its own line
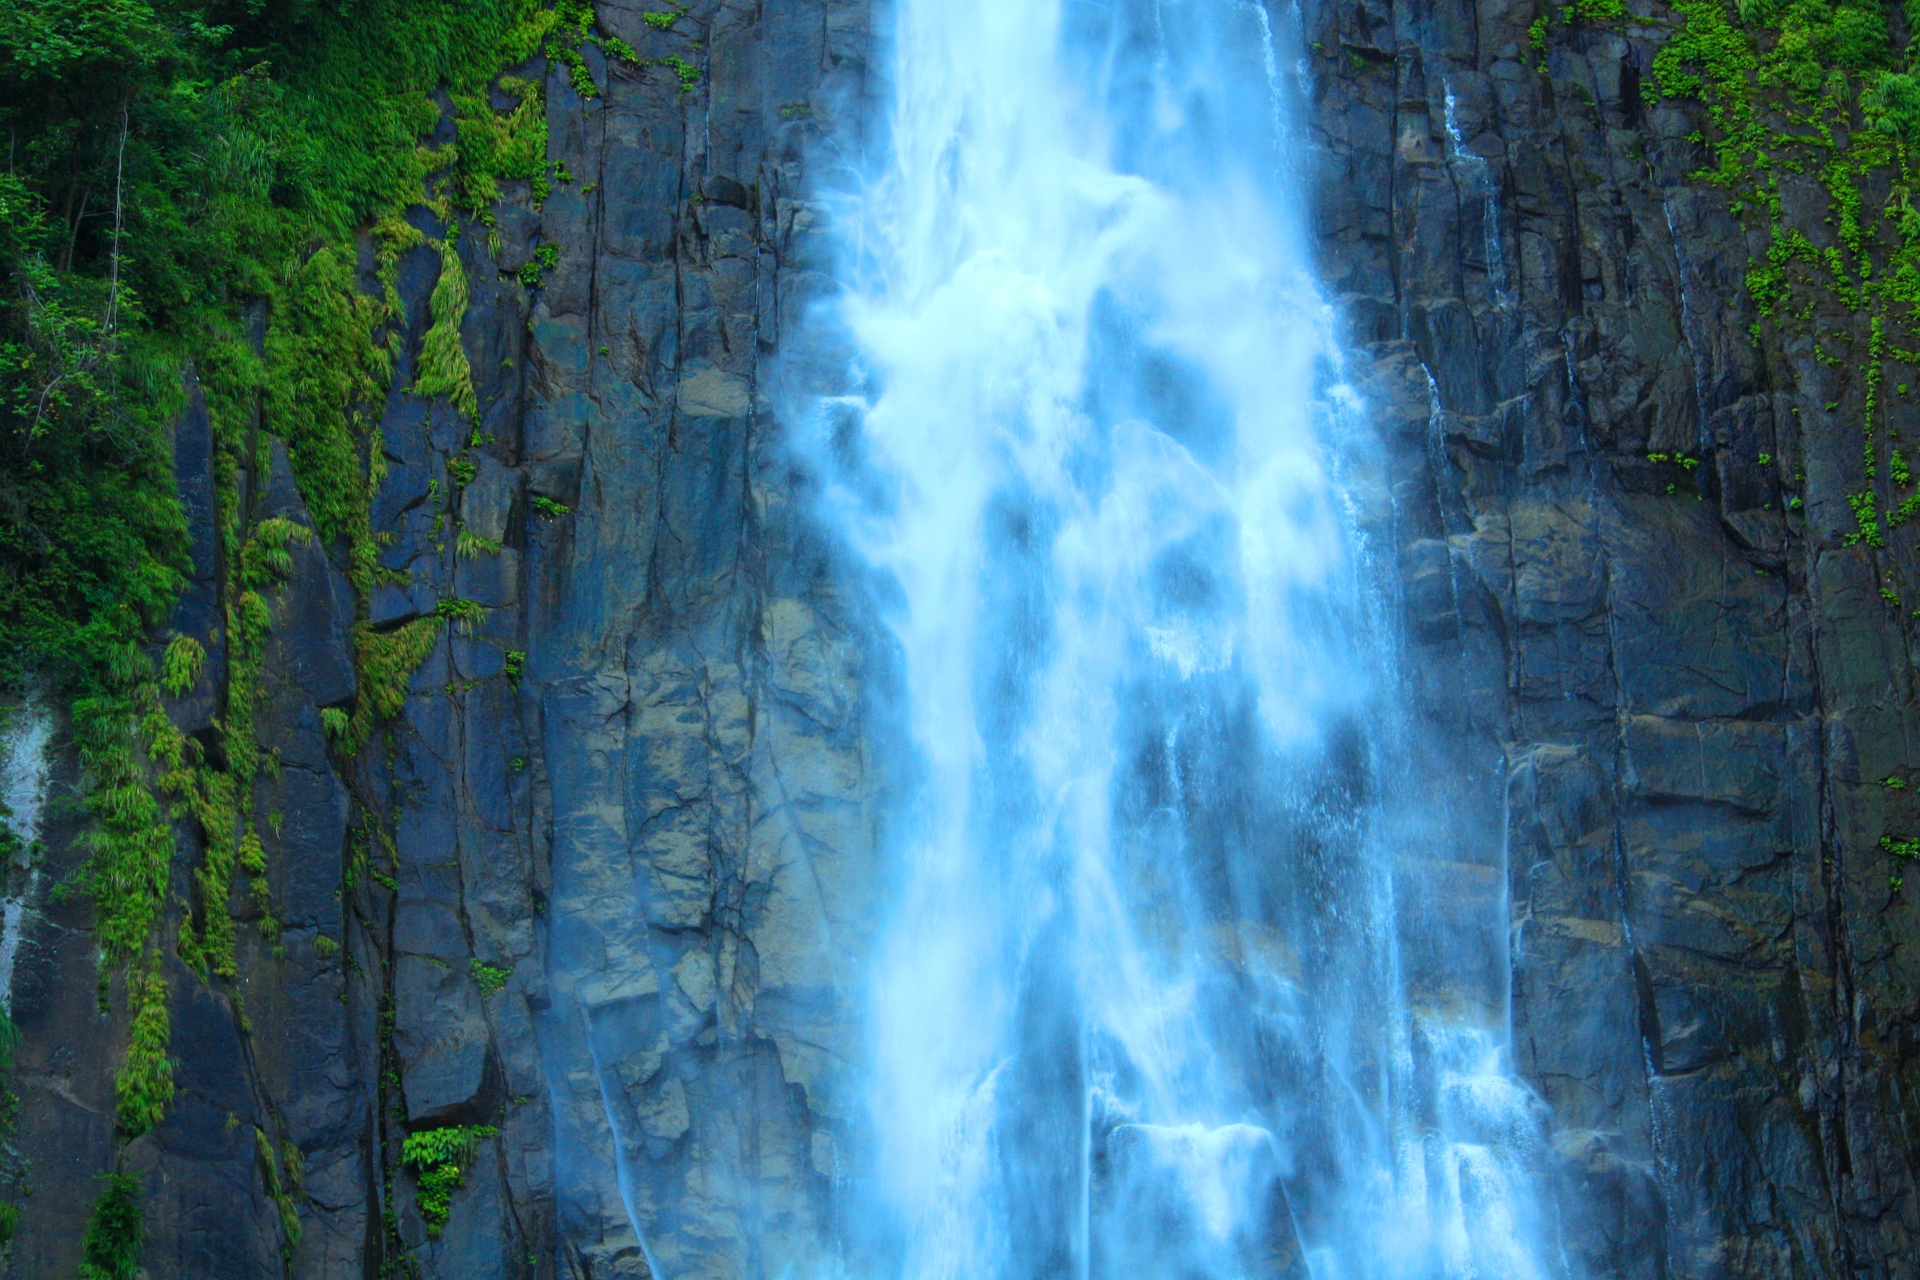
point(1179, 975)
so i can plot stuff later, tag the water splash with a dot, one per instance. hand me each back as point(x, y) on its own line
point(1160, 989)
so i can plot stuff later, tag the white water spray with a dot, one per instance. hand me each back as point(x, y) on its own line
point(1141, 1005)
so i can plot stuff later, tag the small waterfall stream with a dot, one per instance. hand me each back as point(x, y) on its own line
point(1165, 988)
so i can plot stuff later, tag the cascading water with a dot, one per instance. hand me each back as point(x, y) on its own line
point(1160, 992)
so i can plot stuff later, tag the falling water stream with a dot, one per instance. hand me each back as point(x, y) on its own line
point(1150, 997)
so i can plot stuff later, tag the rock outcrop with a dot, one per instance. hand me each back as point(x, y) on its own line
point(1695, 690)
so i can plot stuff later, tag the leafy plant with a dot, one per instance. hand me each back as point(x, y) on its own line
point(491, 979)
point(465, 614)
point(1902, 852)
point(444, 369)
point(110, 1249)
point(181, 664)
point(545, 258)
point(439, 1158)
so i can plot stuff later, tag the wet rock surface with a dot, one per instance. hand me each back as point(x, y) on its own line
point(1702, 688)
point(644, 787)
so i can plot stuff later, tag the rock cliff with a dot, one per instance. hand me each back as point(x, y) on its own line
point(608, 889)
point(1695, 683)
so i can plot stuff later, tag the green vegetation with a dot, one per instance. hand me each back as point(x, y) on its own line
point(1902, 852)
point(544, 259)
point(464, 614)
point(439, 1158)
point(444, 368)
point(1827, 91)
point(491, 979)
point(1580, 13)
point(278, 1189)
point(183, 203)
point(471, 546)
point(549, 508)
point(110, 1250)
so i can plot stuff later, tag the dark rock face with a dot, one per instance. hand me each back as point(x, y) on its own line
point(661, 831)
point(1701, 690)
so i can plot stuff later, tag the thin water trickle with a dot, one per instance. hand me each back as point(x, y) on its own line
point(1171, 982)
point(26, 768)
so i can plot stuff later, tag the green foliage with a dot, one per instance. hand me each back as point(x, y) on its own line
point(439, 1158)
point(1578, 13)
point(499, 146)
point(685, 72)
point(462, 470)
point(471, 546)
point(549, 508)
point(265, 561)
point(516, 662)
point(277, 1189)
point(386, 661)
point(181, 665)
point(144, 1085)
point(444, 369)
point(491, 979)
point(465, 614)
point(128, 841)
point(324, 374)
point(110, 1250)
point(615, 47)
point(1789, 85)
point(544, 259)
point(176, 173)
point(1902, 852)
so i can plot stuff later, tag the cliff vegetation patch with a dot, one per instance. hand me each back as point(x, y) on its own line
point(191, 192)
